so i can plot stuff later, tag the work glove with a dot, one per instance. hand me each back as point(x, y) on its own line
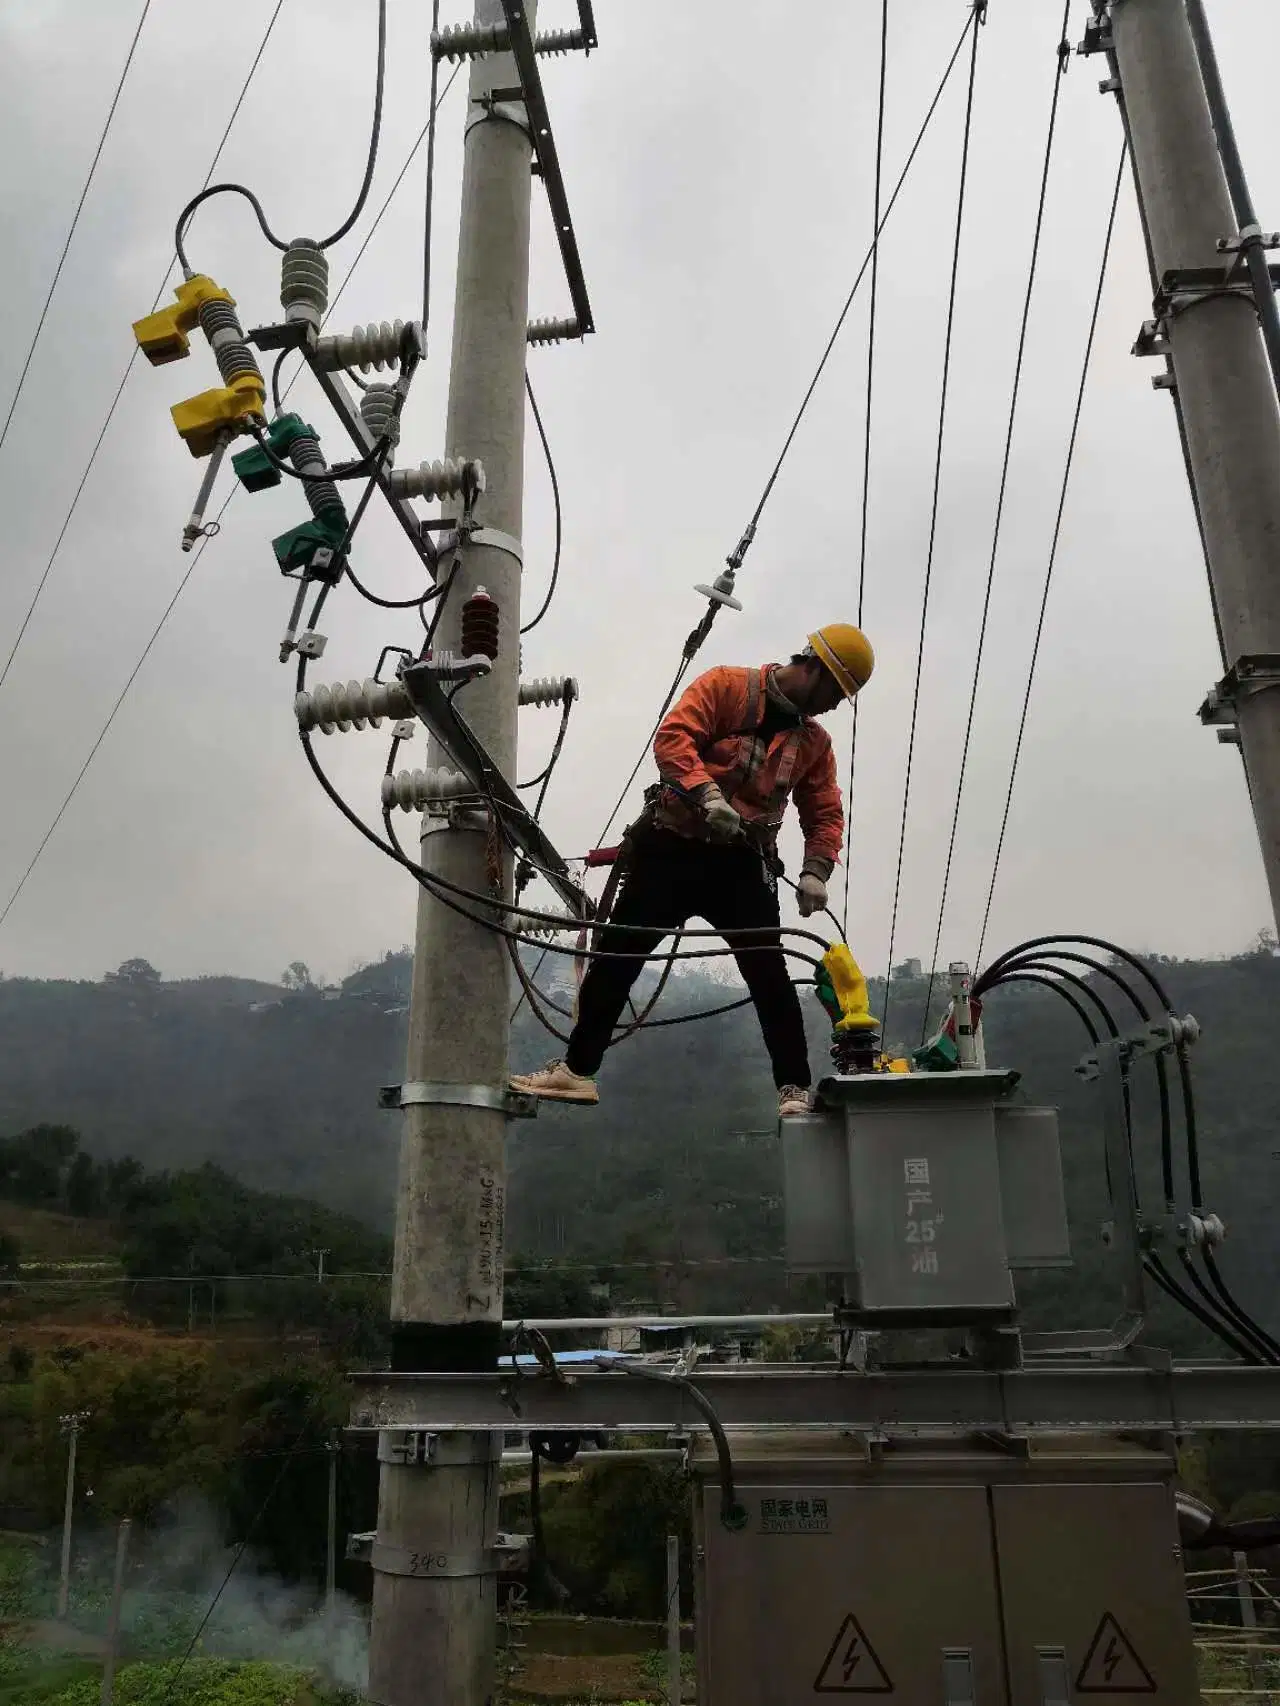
point(723, 823)
point(811, 893)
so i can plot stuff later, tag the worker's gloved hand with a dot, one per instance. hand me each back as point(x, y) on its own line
point(723, 823)
point(811, 893)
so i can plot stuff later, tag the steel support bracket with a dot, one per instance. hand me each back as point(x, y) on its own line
point(1097, 38)
point(1162, 1037)
point(1183, 287)
point(1247, 676)
point(451, 729)
point(544, 146)
point(1151, 339)
point(417, 1094)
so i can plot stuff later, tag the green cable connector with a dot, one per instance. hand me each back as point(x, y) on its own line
point(311, 548)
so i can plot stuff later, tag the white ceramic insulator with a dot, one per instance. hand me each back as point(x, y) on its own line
point(548, 690)
point(538, 927)
point(448, 478)
point(552, 331)
point(351, 704)
point(411, 790)
point(376, 345)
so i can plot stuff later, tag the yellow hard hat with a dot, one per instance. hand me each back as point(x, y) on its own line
point(846, 652)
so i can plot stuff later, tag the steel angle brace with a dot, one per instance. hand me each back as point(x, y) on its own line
point(418, 1094)
point(544, 146)
point(298, 335)
point(450, 728)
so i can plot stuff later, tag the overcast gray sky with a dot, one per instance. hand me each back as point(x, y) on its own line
point(718, 158)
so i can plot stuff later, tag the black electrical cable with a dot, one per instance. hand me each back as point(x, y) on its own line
point(128, 369)
point(644, 750)
point(1053, 550)
point(375, 133)
point(1063, 61)
point(206, 194)
point(1235, 1317)
point(1162, 1072)
point(1219, 1284)
point(75, 221)
point(277, 364)
point(732, 1514)
point(1165, 1280)
point(555, 496)
point(1056, 986)
point(1045, 968)
point(937, 489)
point(547, 774)
point(210, 190)
point(442, 889)
point(866, 441)
point(1144, 971)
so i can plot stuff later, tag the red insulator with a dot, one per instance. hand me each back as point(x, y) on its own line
point(480, 625)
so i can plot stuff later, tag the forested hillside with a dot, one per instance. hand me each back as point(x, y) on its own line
point(679, 1165)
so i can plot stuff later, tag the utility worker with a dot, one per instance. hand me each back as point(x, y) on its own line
point(730, 753)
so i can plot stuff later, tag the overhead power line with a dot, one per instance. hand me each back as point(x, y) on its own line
point(199, 552)
point(1063, 52)
point(128, 368)
point(75, 220)
point(933, 515)
point(1053, 547)
point(866, 449)
point(695, 639)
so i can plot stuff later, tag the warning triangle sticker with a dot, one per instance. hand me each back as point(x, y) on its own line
point(1112, 1665)
point(851, 1666)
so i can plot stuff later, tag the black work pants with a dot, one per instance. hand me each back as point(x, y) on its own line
point(670, 880)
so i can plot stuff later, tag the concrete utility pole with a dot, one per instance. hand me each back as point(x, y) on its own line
point(435, 1593)
point(71, 1425)
point(1220, 368)
point(113, 1621)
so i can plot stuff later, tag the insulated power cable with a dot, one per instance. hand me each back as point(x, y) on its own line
point(1053, 549)
point(937, 488)
point(75, 220)
point(1063, 61)
point(128, 368)
point(199, 552)
point(866, 446)
point(371, 159)
point(532, 623)
point(696, 637)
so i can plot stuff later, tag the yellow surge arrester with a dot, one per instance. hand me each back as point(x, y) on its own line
point(164, 336)
point(850, 989)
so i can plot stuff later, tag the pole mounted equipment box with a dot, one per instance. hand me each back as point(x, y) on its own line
point(925, 1191)
point(952, 1574)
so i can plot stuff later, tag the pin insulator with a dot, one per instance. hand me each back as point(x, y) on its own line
point(480, 624)
point(304, 282)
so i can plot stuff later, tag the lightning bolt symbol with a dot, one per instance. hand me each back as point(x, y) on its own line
point(851, 1658)
point(1111, 1659)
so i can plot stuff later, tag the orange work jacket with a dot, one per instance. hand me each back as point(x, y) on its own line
point(709, 736)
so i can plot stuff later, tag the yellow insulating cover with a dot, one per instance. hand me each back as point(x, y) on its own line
point(851, 989)
point(202, 420)
point(162, 336)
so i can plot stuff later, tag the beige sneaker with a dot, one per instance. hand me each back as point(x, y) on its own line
point(793, 1102)
point(555, 1083)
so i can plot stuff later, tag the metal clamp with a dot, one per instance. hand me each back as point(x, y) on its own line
point(423, 1448)
point(406, 1561)
point(417, 1094)
point(496, 540)
point(1251, 237)
point(1185, 287)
